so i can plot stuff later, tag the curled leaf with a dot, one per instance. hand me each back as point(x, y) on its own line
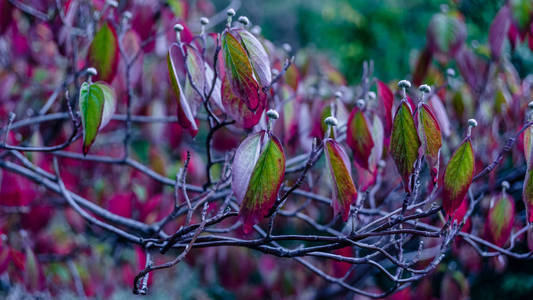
point(239, 72)
point(197, 73)
point(359, 138)
point(185, 116)
point(500, 219)
point(110, 103)
point(258, 170)
point(430, 137)
point(404, 144)
point(386, 97)
point(91, 103)
point(340, 175)
point(103, 53)
point(237, 109)
point(458, 177)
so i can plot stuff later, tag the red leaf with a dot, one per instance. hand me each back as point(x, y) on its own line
point(430, 137)
point(497, 32)
point(359, 138)
point(103, 53)
point(340, 174)
point(422, 66)
point(500, 219)
point(237, 109)
point(387, 98)
point(185, 116)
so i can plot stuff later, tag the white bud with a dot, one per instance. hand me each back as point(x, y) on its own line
point(338, 94)
point(92, 71)
point(112, 3)
point(244, 20)
point(272, 114)
point(360, 103)
point(230, 12)
point(331, 121)
point(404, 84)
point(382, 163)
point(204, 21)
point(178, 28)
point(530, 105)
point(450, 72)
point(275, 72)
point(287, 47)
point(127, 15)
point(506, 185)
point(472, 122)
point(424, 88)
point(256, 30)
point(371, 95)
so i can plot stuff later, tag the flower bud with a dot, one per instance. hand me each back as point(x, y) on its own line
point(371, 95)
point(244, 20)
point(112, 3)
point(204, 21)
point(404, 84)
point(287, 47)
point(360, 103)
point(331, 121)
point(472, 122)
point(92, 71)
point(530, 105)
point(424, 88)
point(178, 28)
point(506, 185)
point(450, 72)
point(272, 114)
point(127, 15)
point(338, 94)
point(230, 12)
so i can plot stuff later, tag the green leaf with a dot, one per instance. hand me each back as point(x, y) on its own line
point(458, 177)
point(445, 33)
point(521, 10)
point(527, 192)
point(340, 175)
point(404, 143)
point(91, 104)
point(110, 103)
point(500, 219)
point(240, 72)
point(103, 53)
point(430, 137)
point(265, 178)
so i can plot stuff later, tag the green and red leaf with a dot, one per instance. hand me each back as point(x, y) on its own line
point(110, 103)
point(458, 177)
point(258, 171)
point(239, 71)
point(185, 116)
point(91, 103)
point(103, 53)
point(386, 97)
point(527, 192)
point(430, 137)
point(404, 143)
point(500, 219)
point(340, 174)
point(359, 138)
point(237, 109)
point(197, 73)
point(258, 57)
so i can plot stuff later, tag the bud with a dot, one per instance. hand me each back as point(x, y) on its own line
point(112, 3)
point(275, 72)
point(371, 95)
point(230, 12)
point(272, 114)
point(127, 15)
point(472, 122)
point(338, 94)
point(92, 71)
point(287, 47)
point(331, 121)
point(424, 88)
point(178, 28)
point(450, 72)
point(204, 21)
point(256, 30)
point(244, 20)
point(505, 185)
point(404, 84)
point(530, 105)
point(360, 103)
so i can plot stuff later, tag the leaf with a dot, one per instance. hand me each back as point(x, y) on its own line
point(237, 108)
point(521, 10)
point(500, 219)
point(103, 53)
point(339, 171)
point(110, 103)
point(498, 31)
point(387, 98)
point(185, 116)
point(422, 66)
point(256, 178)
point(458, 177)
point(258, 57)
point(430, 137)
point(239, 72)
point(359, 138)
point(440, 114)
point(527, 192)
point(445, 34)
point(196, 68)
point(91, 103)
point(404, 144)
